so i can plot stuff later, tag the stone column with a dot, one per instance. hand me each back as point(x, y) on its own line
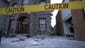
point(78, 20)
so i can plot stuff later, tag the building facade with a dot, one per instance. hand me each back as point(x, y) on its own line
point(73, 22)
point(78, 20)
point(3, 18)
point(32, 23)
point(59, 24)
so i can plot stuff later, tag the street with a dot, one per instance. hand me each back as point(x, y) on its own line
point(47, 42)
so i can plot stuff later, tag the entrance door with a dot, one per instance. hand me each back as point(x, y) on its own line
point(23, 25)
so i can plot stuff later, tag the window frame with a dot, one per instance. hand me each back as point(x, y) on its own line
point(45, 24)
point(25, 2)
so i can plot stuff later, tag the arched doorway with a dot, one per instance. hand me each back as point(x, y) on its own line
point(23, 22)
point(23, 25)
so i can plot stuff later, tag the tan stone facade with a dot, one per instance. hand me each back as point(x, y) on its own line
point(34, 23)
point(59, 24)
point(78, 20)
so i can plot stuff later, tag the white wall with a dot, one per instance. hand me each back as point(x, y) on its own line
point(66, 29)
point(66, 14)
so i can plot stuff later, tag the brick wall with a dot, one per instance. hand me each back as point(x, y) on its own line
point(78, 20)
point(59, 24)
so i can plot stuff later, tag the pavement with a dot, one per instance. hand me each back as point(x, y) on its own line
point(46, 42)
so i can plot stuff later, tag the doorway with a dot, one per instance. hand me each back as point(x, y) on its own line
point(23, 25)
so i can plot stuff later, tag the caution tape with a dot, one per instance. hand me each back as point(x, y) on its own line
point(43, 7)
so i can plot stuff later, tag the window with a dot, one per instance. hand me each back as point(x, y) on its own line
point(25, 21)
point(12, 23)
point(84, 10)
point(8, 0)
point(14, 4)
point(25, 2)
point(42, 24)
point(42, 1)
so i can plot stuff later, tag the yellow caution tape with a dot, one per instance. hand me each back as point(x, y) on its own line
point(43, 7)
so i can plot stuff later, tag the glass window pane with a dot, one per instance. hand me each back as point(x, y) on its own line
point(42, 27)
point(42, 24)
point(25, 2)
point(42, 21)
point(12, 24)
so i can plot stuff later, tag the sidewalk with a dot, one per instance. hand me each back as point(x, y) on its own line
point(48, 42)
